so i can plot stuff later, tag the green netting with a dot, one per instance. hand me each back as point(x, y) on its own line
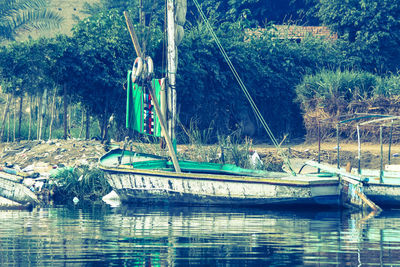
point(140, 112)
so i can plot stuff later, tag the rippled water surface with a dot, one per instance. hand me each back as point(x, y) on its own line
point(180, 236)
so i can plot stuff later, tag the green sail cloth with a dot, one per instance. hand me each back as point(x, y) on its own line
point(140, 112)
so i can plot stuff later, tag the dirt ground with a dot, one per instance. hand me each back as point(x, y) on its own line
point(43, 156)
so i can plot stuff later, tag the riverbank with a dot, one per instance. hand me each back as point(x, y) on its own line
point(45, 156)
point(63, 170)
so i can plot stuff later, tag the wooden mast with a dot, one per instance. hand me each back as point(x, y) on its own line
point(164, 131)
point(172, 66)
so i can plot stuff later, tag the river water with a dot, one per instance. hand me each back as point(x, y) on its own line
point(98, 235)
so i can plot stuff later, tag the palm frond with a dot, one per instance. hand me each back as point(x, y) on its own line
point(12, 7)
point(18, 16)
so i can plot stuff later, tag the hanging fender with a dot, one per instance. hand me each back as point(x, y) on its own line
point(150, 66)
point(137, 68)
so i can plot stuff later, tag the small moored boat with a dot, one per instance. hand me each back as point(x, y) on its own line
point(149, 178)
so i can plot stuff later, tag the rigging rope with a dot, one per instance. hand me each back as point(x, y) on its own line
point(244, 89)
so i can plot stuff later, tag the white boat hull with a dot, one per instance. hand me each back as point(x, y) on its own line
point(200, 189)
point(14, 193)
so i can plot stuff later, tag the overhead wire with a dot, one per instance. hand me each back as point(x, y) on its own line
point(244, 88)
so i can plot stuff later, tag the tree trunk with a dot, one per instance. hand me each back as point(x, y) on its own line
point(6, 111)
point(69, 119)
point(101, 127)
point(87, 125)
point(82, 121)
point(30, 116)
point(104, 124)
point(8, 127)
point(42, 112)
point(14, 118)
point(65, 112)
point(21, 99)
point(52, 112)
point(107, 125)
point(38, 106)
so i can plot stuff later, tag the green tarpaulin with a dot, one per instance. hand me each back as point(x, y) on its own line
point(140, 112)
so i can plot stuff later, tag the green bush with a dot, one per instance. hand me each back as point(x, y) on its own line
point(327, 84)
point(328, 94)
point(388, 86)
point(82, 182)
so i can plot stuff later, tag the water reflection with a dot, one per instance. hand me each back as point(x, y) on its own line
point(165, 236)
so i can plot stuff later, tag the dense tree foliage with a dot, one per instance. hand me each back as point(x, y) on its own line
point(372, 29)
point(94, 63)
point(90, 67)
point(269, 67)
point(260, 12)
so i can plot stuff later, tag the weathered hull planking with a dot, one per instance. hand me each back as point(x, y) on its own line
point(189, 189)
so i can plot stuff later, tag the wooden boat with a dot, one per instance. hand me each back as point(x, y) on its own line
point(382, 186)
point(13, 194)
point(148, 178)
point(138, 177)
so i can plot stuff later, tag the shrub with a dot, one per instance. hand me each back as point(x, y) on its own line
point(82, 182)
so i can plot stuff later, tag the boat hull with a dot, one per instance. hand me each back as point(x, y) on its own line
point(199, 189)
point(14, 193)
point(383, 194)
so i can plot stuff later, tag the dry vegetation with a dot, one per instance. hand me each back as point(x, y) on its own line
point(58, 153)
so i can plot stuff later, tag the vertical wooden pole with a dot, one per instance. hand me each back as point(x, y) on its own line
point(172, 66)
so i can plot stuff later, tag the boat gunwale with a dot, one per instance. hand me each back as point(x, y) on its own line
point(222, 177)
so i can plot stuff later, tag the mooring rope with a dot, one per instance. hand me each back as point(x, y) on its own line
point(244, 89)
